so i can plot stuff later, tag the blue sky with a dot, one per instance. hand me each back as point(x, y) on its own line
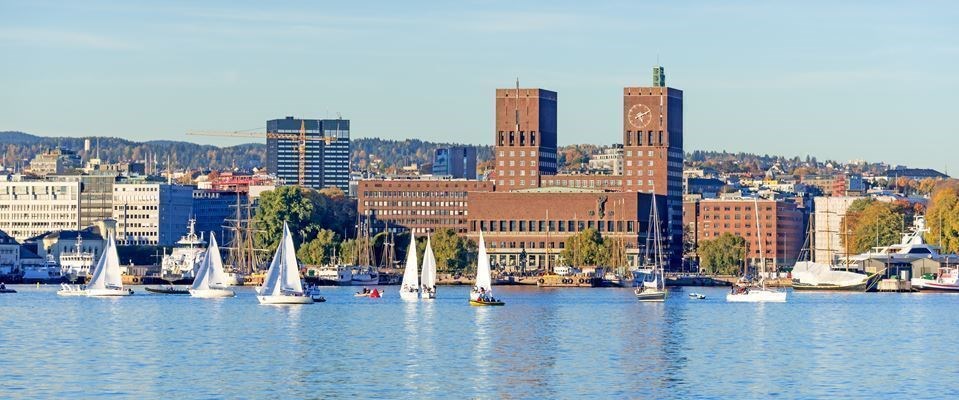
point(843, 80)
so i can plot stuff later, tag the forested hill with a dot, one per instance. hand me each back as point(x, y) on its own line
point(18, 148)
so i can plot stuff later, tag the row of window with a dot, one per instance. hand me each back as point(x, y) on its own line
point(552, 226)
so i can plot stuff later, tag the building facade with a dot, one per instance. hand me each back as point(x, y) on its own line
point(525, 138)
point(212, 208)
point(610, 162)
point(457, 162)
point(420, 205)
point(778, 223)
point(96, 195)
point(29, 208)
point(153, 214)
point(327, 152)
point(528, 229)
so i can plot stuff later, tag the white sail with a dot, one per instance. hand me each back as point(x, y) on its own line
point(429, 266)
point(210, 274)
point(411, 280)
point(284, 272)
point(483, 279)
point(107, 272)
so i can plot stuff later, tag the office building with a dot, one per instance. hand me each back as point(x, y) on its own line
point(212, 208)
point(326, 154)
point(151, 213)
point(525, 138)
point(421, 205)
point(31, 208)
point(458, 162)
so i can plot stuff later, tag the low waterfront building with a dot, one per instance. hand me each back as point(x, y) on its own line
point(30, 208)
point(65, 242)
point(524, 227)
point(778, 222)
point(9, 254)
point(151, 213)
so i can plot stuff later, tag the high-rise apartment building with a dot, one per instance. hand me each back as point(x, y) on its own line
point(327, 152)
point(525, 142)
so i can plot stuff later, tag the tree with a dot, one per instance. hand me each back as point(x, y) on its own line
point(585, 248)
point(306, 211)
point(318, 251)
point(451, 251)
point(872, 223)
point(723, 255)
point(943, 216)
point(347, 252)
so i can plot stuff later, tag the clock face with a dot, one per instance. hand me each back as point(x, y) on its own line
point(639, 116)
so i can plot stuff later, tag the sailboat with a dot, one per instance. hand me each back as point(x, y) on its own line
point(482, 292)
point(106, 280)
point(409, 289)
point(759, 293)
point(654, 290)
point(210, 281)
point(282, 285)
point(428, 286)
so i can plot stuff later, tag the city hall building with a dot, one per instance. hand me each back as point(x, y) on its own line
point(511, 207)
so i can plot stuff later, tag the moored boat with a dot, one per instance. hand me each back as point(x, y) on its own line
point(654, 289)
point(169, 289)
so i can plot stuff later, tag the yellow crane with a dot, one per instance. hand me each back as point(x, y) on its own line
point(299, 138)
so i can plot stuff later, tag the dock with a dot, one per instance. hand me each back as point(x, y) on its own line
point(894, 285)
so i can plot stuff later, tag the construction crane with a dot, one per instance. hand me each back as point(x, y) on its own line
point(299, 138)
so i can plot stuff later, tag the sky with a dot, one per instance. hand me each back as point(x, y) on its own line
point(873, 80)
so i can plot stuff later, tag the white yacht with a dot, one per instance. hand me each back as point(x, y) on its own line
point(180, 266)
point(913, 247)
point(334, 275)
point(76, 266)
point(48, 272)
point(428, 278)
point(364, 276)
point(654, 289)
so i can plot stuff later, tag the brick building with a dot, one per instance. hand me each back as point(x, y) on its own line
point(523, 227)
point(780, 223)
point(525, 176)
point(422, 205)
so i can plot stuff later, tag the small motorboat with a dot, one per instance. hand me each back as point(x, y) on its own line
point(697, 296)
point(167, 290)
point(3, 289)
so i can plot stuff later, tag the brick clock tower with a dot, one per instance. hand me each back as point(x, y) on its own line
point(653, 151)
point(525, 142)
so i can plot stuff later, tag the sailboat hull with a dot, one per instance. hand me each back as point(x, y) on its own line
point(107, 292)
point(407, 295)
point(757, 296)
point(651, 295)
point(211, 293)
point(285, 299)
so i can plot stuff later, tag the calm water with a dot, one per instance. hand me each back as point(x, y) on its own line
point(543, 343)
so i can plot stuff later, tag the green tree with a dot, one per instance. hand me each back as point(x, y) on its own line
point(452, 252)
point(585, 248)
point(872, 223)
point(306, 211)
point(318, 251)
point(723, 255)
point(943, 216)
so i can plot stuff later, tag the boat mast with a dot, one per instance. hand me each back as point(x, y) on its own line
point(759, 238)
point(549, 270)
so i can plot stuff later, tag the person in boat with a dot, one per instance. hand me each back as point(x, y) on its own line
point(3, 286)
